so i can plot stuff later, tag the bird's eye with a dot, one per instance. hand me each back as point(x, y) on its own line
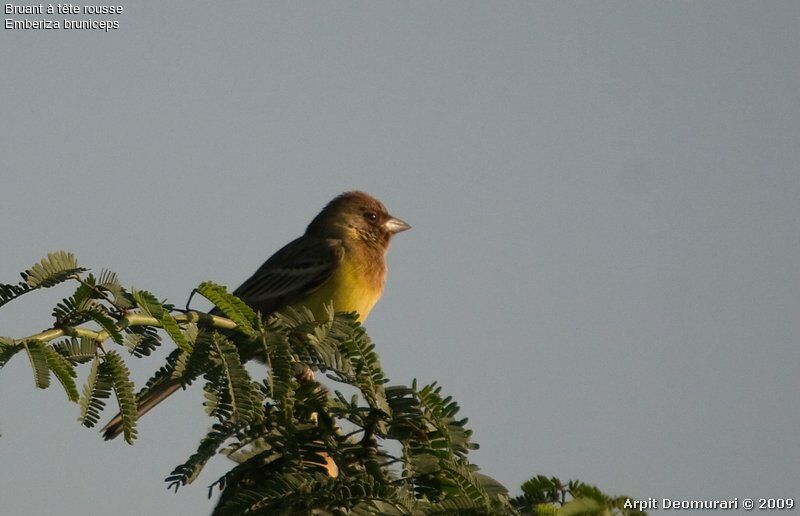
point(371, 215)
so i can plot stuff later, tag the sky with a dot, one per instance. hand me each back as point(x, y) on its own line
point(605, 196)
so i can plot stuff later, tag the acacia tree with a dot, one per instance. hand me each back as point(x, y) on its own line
point(299, 445)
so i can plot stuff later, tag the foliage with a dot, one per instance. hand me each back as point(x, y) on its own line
point(300, 445)
point(544, 496)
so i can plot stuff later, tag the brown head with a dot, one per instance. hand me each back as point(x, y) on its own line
point(357, 215)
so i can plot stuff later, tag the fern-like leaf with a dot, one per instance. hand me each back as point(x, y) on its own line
point(190, 366)
point(41, 373)
point(234, 308)
point(249, 441)
point(63, 370)
point(141, 340)
point(97, 389)
point(449, 433)
point(369, 376)
point(313, 342)
point(280, 364)
point(9, 292)
point(70, 311)
point(115, 369)
point(8, 348)
point(164, 374)
point(84, 306)
point(108, 282)
point(461, 483)
point(276, 490)
point(235, 389)
point(77, 351)
point(54, 269)
point(100, 315)
point(152, 307)
point(187, 472)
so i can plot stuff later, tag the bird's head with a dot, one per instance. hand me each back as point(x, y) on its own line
point(357, 215)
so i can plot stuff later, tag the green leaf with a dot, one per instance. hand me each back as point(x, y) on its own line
point(234, 308)
point(187, 472)
point(84, 306)
point(280, 366)
point(542, 490)
point(70, 311)
point(100, 316)
point(545, 509)
point(8, 348)
point(250, 441)
point(115, 369)
point(77, 351)
point(238, 399)
point(152, 307)
point(162, 376)
point(10, 292)
point(63, 370)
point(54, 269)
point(41, 373)
point(360, 352)
point(316, 342)
point(97, 389)
point(277, 490)
point(581, 490)
point(490, 485)
point(464, 483)
point(190, 366)
point(583, 507)
point(108, 282)
point(141, 340)
point(448, 433)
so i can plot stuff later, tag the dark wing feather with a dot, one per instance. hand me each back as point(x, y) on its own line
point(291, 274)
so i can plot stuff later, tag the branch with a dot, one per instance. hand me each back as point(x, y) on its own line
point(132, 319)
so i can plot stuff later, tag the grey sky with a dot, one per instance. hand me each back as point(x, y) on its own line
point(603, 269)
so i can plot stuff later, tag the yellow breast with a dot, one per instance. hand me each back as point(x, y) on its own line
point(349, 289)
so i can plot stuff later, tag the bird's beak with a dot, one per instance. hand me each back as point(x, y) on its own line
point(395, 225)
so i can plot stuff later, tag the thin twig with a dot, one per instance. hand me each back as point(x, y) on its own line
point(131, 319)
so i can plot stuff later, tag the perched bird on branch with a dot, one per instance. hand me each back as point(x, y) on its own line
point(339, 261)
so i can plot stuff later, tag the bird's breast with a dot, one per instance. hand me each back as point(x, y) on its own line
point(351, 288)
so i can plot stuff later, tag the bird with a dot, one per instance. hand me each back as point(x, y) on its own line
point(338, 261)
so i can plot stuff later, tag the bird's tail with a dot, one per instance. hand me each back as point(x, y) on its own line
point(156, 395)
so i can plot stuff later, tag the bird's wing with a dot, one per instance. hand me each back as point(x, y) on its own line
point(292, 273)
